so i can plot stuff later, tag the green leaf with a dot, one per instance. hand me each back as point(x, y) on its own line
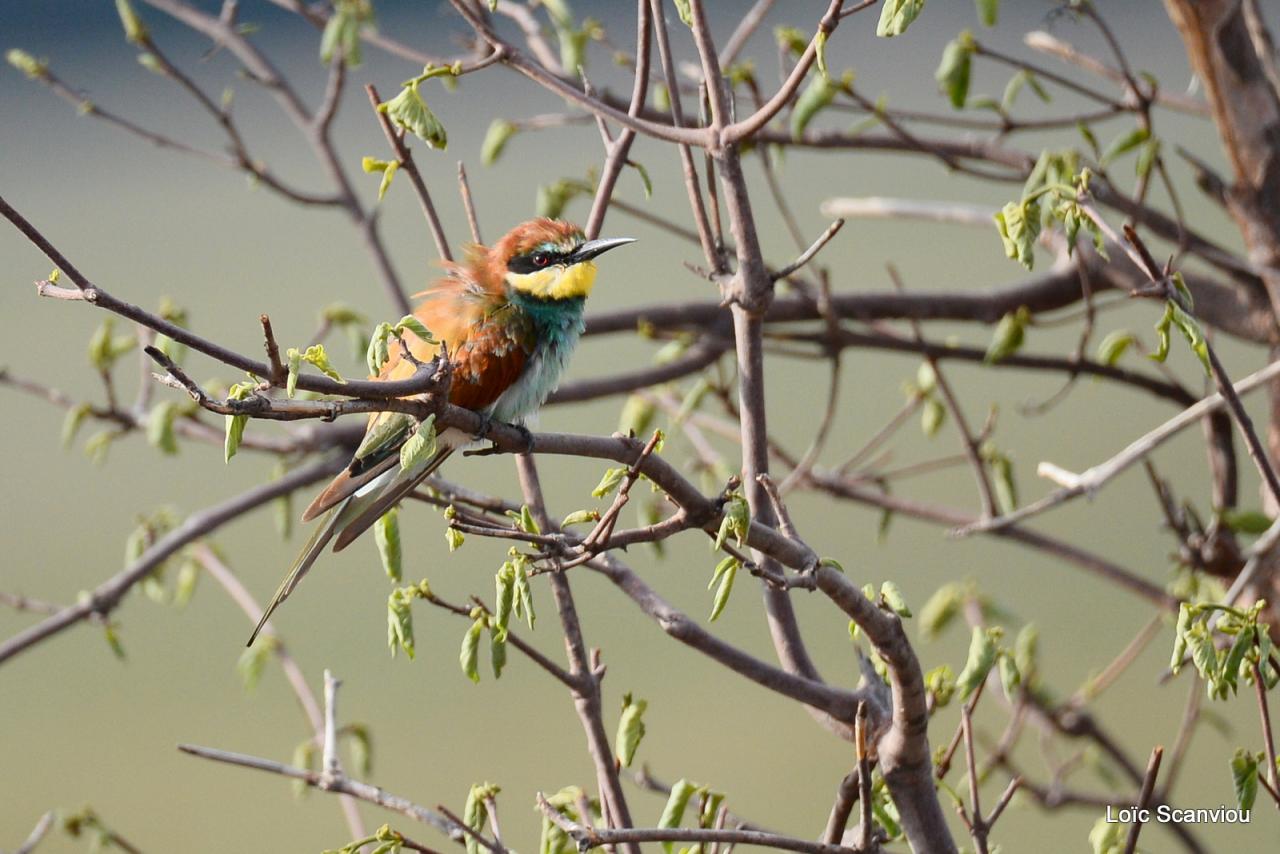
point(178, 317)
point(1175, 315)
point(185, 585)
point(791, 39)
point(96, 447)
point(377, 353)
point(341, 314)
point(1125, 143)
point(1115, 345)
point(112, 637)
point(342, 30)
point(1244, 777)
point(361, 748)
point(1006, 488)
point(941, 683)
point(72, 422)
point(553, 198)
point(1018, 224)
point(105, 349)
point(1107, 837)
point(932, 416)
point(941, 608)
point(673, 812)
point(726, 587)
point(421, 446)
point(495, 140)
point(612, 480)
point(526, 522)
point(1252, 522)
point(1009, 335)
point(35, 69)
point(160, 434)
point(135, 32)
point(1010, 678)
point(454, 538)
point(386, 167)
point(897, 15)
point(637, 415)
point(988, 12)
point(982, 655)
point(661, 98)
point(644, 177)
point(315, 355)
point(253, 660)
point(816, 97)
point(476, 812)
point(1180, 637)
point(893, 597)
point(505, 584)
point(400, 622)
point(151, 62)
point(1015, 85)
point(1086, 133)
point(497, 651)
point(1162, 334)
point(386, 533)
point(1190, 329)
point(554, 840)
point(524, 595)
point(926, 378)
point(1204, 655)
point(469, 655)
point(736, 522)
point(304, 757)
point(1025, 651)
point(409, 323)
point(580, 517)
point(294, 359)
point(953, 72)
point(1235, 657)
point(630, 730)
point(820, 52)
point(1147, 158)
point(409, 111)
point(235, 423)
point(686, 15)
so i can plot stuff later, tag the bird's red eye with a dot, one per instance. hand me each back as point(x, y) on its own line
point(541, 259)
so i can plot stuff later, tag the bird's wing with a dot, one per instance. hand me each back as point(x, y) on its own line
point(401, 484)
point(378, 451)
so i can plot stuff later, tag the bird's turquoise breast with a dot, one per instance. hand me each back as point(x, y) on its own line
point(556, 326)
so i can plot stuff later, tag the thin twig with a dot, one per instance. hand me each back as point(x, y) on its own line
point(1144, 798)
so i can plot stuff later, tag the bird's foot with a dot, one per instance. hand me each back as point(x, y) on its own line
point(525, 436)
point(526, 439)
point(486, 424)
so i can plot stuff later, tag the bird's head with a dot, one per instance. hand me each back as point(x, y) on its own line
point(550, 259)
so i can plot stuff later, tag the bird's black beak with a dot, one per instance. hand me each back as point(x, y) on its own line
point(592, 248)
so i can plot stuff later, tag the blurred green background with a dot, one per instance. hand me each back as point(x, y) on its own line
point(79, 727)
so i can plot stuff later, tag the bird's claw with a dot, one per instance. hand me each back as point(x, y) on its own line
point(486, 424)
point(525, 436)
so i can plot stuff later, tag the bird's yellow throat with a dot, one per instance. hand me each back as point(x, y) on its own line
point(556, 282)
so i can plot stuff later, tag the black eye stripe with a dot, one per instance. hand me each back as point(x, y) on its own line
point(525, 263)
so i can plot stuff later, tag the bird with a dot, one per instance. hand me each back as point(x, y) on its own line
point(508, 318)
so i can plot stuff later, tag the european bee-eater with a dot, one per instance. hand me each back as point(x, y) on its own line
point(510, 317)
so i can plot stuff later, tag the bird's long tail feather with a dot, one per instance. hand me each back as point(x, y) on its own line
point(333, 521)
point(401, 485)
